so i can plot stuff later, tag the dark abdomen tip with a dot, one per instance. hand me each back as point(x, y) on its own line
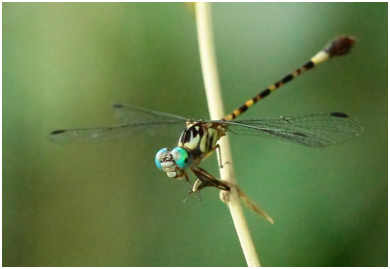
point(340, 46)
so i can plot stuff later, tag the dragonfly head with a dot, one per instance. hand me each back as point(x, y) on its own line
point(173, 162)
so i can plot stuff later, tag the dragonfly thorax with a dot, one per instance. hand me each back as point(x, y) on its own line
point(200, 138)
point(173, 162)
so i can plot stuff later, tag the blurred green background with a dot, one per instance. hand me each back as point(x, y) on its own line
point(105, 204)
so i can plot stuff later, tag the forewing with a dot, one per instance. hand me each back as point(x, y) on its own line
point(113, 132)
point(132, 119)
point(132, 114)
point(314, 130)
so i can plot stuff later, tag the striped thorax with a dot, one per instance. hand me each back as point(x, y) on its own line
point(200, 138)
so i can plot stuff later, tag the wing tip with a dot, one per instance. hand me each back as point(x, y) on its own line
point(339, 115)
point(116, 106)
point(358, 126)
point(56, 132)
point(56, 136)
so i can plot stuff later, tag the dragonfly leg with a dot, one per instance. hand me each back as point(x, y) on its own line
point(187, 178)
point(190, 189)
point(247, 202)
point(198, 185)
point(195, 189)
point(219, 156)
point(205, 179)
point(251, 205)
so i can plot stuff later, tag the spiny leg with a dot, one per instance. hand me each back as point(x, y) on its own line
point(195, 189)
point(338, 47)
point(251, 205)
point(207, 180)
point(187, 178)
point(225, 197)
point(219, 156)
point(190, 190)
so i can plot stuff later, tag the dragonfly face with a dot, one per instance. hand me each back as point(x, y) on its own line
point(173, 162)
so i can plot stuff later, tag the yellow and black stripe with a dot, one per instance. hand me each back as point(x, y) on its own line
point(339, 46)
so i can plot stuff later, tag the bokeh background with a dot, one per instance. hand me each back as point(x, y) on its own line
point(105, 204)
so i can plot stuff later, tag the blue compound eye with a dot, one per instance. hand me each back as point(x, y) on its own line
point(181, 157)
point(159, 157)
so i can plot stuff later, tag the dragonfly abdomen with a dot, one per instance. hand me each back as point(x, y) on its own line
point(338, 47)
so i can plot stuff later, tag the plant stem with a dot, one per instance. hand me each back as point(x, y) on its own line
point(214, 100)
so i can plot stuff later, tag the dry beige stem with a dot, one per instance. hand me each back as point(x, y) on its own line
point(214, 100)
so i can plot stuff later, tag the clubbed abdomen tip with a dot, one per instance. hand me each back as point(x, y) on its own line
point(340, 45)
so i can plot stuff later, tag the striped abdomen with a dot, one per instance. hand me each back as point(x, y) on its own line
point(338, 47)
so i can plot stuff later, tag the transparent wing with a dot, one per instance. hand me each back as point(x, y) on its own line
point(133, 114)
point(132, 119)
point(314, 130)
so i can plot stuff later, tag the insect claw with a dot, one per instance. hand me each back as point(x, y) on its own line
point(225, 163)
point(190, 191)
point(188, 195)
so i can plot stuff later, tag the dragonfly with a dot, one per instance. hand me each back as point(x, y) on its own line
point(199, 138)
